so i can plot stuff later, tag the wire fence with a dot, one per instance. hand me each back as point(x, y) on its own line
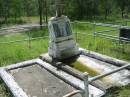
point(102, 38)
point(26, 30)
point(99, 37)
point(95, 33)
point(106, 33)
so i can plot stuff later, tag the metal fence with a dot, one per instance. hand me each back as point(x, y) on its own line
point(86, 38)
point(95, 33)
point(105, 33)
point(24, 29)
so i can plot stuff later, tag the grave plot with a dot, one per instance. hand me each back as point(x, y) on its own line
point(38, 82)
point(35, 78)
point(96, 64)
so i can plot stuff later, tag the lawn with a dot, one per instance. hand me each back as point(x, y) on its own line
point(16, 52)
point(104, 46)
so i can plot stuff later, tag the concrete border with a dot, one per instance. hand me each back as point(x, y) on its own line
point(104, 58)
point(17, 91)
point(9, 81)
point(11, 84)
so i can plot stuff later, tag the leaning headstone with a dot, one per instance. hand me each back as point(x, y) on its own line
point(124, 34)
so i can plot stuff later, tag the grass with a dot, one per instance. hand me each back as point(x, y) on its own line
point(3, 91)
point(118, 92)
point(108, 47)
point(17, 52)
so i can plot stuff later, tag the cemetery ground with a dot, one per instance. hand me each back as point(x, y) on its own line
point(11, 53)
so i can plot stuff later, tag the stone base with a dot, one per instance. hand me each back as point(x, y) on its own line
point(37, 78)
point(38, 82)
point(120, 78)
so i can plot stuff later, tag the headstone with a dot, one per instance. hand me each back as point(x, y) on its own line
point(125, 33)
point(62, 44)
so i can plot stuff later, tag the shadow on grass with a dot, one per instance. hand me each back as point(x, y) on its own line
point(4, 91)
point(118, 92)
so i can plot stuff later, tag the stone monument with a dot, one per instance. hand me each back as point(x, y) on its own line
point(62, 44)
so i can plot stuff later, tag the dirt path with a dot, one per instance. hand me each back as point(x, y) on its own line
point(19, 28)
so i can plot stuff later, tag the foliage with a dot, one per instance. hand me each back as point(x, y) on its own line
point(75, 9)
point(91, 9)
point(118, 92)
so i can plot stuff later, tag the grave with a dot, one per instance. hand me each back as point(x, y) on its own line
point(38, 82)
point(36, 78)
point(125, 34)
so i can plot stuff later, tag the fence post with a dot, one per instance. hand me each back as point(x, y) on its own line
point(118, 29)
point(126, 22)
point(94, 29)
point(76, 31)
point(29, 39)
point(86, 85)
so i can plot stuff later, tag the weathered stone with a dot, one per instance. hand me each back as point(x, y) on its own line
point(38, 82)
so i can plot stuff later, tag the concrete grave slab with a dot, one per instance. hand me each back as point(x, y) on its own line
point(98, 67)
point(104, 64)
point(36, 78)
point(38, 82)
point(120, 78)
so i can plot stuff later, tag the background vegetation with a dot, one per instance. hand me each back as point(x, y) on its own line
point(16, 11)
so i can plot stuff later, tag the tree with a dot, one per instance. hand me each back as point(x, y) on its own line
point(40, 10)
point(106, 7)
point(46, 11)
point(122, 4)
point(5, 6)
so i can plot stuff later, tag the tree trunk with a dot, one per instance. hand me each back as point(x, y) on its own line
point(122, 13)
point(46, 19)
point(40, 12)
point(106, 13)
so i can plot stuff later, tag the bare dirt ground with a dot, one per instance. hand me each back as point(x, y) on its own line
point(19, 28)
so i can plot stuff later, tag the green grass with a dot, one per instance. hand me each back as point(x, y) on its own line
point(119, 92)
point(3, 91)
point(104, 46)
point(17, 52)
